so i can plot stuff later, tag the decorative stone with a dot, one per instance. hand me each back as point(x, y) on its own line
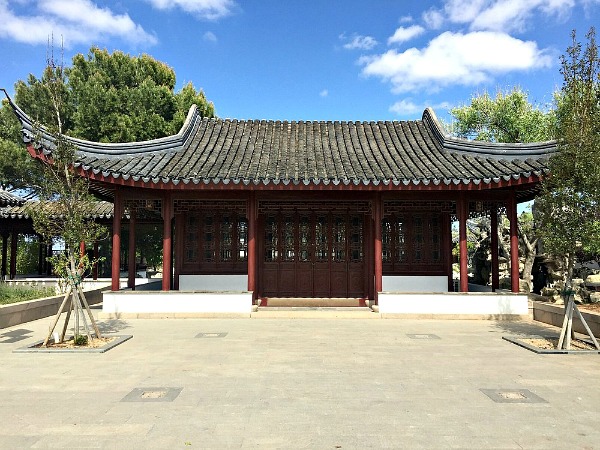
point(593, 279)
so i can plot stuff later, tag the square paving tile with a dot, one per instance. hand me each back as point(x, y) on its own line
point(423, 336)
point(513, 396)
point(211, 335)
point(153, 394)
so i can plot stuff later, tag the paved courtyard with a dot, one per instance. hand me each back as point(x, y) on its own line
point(299, 383)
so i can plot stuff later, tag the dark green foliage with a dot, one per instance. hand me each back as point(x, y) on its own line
point(509, 117)
point(570, 202)
point(105, 97)
point(80, 339)
point(17, 168)
point(67, 203)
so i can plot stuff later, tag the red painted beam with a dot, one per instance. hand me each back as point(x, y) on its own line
point(167, 243)
point(252, 256)
point(378, 217)
point(511, 210)
point(463, 212)
point(116, 243)
point(131, 251)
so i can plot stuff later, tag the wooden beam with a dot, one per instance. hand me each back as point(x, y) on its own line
point(511, 210)
point(167, 211)
point(116, 242)
point(463, 212)
point(252, 254)
point(377, 247)
point(131, 252)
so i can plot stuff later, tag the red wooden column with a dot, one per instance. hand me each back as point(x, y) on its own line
point(462, 208)
point(95, 267)
point(14, 239)
point(446, 242)
point(131, 251)
point(494, 246)
point(4, 255)
point(252, 256)
point(511, 210)
point(116, 241)
point(378, 217)
point(167, 212)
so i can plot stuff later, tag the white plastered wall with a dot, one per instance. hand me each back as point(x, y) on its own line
point(406, 283)
point(213, 283)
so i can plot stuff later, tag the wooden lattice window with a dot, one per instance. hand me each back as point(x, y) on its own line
point(411, 242)
point(215, 242)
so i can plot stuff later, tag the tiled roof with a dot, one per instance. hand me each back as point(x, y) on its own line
point(102, 210)
point(252, 152)
point(7, 198)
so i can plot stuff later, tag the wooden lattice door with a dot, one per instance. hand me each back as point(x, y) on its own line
point(313, 254)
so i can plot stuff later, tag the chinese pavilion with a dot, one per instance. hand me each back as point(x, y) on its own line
point(309, 209)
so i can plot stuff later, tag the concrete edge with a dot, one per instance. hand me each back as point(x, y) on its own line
point(31, 348)
point(29, 310)
point(262, 314)
point(509, 317)
point(182, 315)
point(518, 341)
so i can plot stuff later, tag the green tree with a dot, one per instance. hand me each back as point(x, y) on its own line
point(17, 169)
point(106, 98)
point(508, 117)
point(66, 207)
point(570, 202)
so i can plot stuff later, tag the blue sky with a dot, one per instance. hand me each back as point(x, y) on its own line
point(314, 59)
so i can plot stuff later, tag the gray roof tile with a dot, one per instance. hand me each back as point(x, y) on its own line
point(216, 150)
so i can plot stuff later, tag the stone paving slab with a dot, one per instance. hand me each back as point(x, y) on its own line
point(310, 383)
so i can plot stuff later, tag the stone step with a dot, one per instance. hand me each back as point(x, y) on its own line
point(307, 312)
point(312, 302)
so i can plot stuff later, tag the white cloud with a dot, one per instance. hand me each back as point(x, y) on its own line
point(404, 34)
point(406, 19)
point(406, 107)
point(358, 41)
point(204, 9)
point(433, 18)
point(77, 21)
point(455, 59)
point(324, 93)
point(496, 15)
point(209, 36)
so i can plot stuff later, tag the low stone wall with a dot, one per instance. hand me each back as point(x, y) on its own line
point(554, 315)
point(453, 305)
point(17, 313)
point(174, 304)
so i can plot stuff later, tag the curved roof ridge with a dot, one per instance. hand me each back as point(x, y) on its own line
point(103, 149)
point(494, 150)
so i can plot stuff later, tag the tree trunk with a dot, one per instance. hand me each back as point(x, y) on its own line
point(530, 254)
